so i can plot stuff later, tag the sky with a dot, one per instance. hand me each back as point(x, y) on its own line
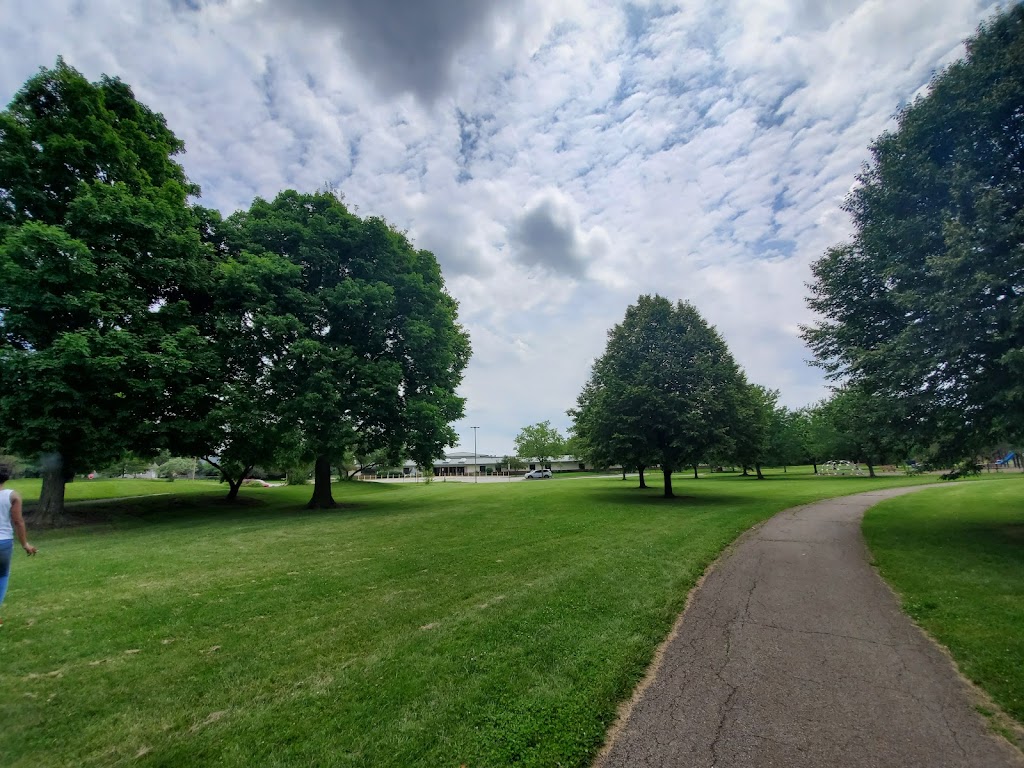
point(559, 157)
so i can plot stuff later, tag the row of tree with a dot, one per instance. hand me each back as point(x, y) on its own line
point(133, 320)
point(667, 393)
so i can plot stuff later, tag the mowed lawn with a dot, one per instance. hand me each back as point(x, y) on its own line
point(445, 624)
point(957, 560)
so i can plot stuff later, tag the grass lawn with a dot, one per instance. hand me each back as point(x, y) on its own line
point(957, 559)
point(441, 624)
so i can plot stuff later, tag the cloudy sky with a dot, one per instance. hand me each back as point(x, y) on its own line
point(560, 157)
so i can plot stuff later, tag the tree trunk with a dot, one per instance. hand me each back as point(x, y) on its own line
point(322, 498)
point(695, 475)
point(871, 469)
point(745, 472)
point(642, 483)
point(233, 485)
point(667, 473)
point(50, 510)
point(623, 473)
point(757, 467)
point(815, 463)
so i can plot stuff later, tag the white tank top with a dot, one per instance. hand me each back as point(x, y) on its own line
point(6, 531)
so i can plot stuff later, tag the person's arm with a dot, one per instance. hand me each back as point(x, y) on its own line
point(19, 524)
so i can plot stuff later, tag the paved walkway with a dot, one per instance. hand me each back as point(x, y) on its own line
point(792, 653)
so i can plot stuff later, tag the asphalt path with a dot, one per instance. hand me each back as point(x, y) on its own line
point(793, 652)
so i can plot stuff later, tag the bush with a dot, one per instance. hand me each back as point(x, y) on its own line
point(177, 466)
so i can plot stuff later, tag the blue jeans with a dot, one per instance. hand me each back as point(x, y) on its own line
point(6, 552)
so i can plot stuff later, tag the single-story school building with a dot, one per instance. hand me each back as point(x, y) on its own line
point(461, 464)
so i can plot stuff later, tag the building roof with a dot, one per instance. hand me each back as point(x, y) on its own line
point(460, 459)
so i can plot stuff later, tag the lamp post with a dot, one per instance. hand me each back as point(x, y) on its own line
point(476, 471)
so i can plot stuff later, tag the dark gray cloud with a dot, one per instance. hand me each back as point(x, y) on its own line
point(404, 46)
point(548, 236)
point(455, 248)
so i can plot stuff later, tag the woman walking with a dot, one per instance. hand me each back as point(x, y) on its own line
point(11, 522)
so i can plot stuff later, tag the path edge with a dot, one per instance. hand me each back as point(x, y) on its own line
point(625, 708)
point(998, 723)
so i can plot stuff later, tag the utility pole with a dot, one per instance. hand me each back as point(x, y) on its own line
point(476, 476)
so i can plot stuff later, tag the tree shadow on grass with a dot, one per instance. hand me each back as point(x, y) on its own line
point(654, 496)
point(1013, 531)
point(994, 540)
point(145, 511)
point(174, 509)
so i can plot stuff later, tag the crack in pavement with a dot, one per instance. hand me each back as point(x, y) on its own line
point(733, 689)
point(839, 635)
point(724, 688)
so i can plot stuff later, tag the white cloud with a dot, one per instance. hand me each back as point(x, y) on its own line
point(560, 158)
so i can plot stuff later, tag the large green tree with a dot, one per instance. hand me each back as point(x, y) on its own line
point(664, 392)
point(858, 426)
point(380, 352)
point(925, 305)
point(787, 442)
point(605, 437)
point(755, 423)
point(818, 434)
point(103, 278)
point(259, 300)
point(539, 441)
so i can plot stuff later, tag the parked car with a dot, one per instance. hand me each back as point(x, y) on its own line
point(537, 474)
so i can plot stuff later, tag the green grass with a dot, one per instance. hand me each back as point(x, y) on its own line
point(425, 625)
point(957, 559)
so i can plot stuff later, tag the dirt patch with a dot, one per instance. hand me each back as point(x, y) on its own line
point(213, 717)
point(1013, 531)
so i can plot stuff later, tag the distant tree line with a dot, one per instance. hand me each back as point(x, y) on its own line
point(667, 393)
point(133, 320)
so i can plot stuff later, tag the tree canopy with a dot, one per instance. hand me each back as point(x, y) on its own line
point(103, 277)
point(755, 426)
point(854, 425)
point(133, 320)
point(539, 441)
point(664, 392)
point(923, 307)
point(256, 308)
point(376, 352)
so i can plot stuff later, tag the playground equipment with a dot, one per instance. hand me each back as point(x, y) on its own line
point(841, 467)
point(1006, 459)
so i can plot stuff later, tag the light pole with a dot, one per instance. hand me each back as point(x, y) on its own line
point(476, 471)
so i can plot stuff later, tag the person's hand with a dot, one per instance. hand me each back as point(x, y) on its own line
point(30, 550)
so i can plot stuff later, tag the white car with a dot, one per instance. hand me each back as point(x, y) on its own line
point(537, 474)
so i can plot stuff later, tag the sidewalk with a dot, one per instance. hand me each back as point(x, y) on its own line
point(793, 653)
